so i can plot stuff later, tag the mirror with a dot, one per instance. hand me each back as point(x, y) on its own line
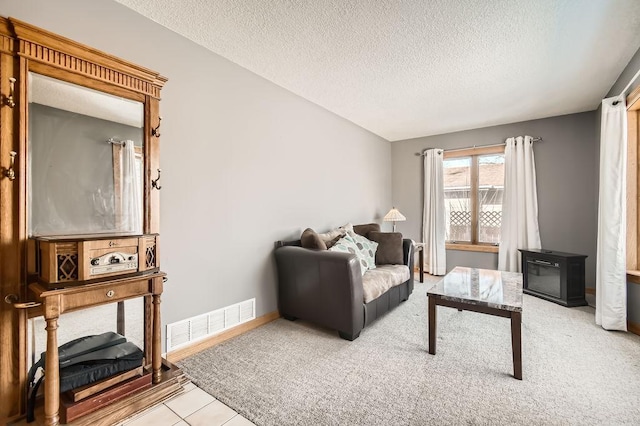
point(85, 151)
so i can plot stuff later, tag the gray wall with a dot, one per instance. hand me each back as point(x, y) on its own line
point(566, 176)
point(626, 75)
point(244, 162)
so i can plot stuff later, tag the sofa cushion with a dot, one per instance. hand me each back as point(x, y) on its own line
point(347, 245)
point(377, 281)
point(310, 240)
point(366, 249)
point(389, 247)
point(365, 229)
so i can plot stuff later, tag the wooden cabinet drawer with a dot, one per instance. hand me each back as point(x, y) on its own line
point(106, 293)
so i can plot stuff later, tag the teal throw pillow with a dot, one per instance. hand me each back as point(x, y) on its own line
point(346, 244)
point(366, 249)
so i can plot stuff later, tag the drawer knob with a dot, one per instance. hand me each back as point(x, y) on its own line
point(111, 293)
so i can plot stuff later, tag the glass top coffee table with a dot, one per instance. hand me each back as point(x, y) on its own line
point(481, 290)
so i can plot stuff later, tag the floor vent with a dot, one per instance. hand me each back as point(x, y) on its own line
point(196, 328)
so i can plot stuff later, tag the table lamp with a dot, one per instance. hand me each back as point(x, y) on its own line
point(394, 216)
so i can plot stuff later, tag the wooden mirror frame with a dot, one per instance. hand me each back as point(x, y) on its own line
point(54, 56)
point(26, 48)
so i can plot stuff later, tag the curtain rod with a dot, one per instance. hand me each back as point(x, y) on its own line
point(112, 141)
point(471, 147)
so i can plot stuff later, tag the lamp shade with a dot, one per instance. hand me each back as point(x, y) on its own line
point(394, 216)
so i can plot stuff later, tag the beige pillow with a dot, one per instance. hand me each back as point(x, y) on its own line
point(346, 228)
point(332, 235)
point(331, 243)
point(310, 240)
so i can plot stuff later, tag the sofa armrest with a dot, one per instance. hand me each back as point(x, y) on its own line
point(321, 286)
point(407, 253)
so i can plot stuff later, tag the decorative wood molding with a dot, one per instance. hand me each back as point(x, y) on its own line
point(633, 276)
point(42, 46)
point(180, 354)
point(479, 150)
point(632, 99)
point(472, 247)
point(632, 191)
point(13, 322)
point(6, 37)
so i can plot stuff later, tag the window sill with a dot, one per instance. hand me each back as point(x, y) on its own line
point(471, 247)
point(633, 276)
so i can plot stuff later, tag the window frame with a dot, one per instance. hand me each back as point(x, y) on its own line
point(474, 153)
point(633, 186)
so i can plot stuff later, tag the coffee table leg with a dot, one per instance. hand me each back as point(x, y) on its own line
point(432, 325)
point(516, 343)
point(421, 260)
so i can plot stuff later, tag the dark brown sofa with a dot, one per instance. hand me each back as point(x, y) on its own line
point(326, 287)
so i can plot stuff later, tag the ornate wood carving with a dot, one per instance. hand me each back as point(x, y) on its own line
point(6, 38)
point(39, 45)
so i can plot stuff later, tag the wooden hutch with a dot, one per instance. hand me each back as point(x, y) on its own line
point(51, 275)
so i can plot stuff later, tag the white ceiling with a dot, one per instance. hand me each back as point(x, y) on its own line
point(405, 69)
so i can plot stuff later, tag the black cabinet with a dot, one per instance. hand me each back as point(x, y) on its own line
point(554, 276)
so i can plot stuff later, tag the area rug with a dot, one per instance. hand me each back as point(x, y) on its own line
point(294, 373)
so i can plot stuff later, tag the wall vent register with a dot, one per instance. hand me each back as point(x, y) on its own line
point(190, 330)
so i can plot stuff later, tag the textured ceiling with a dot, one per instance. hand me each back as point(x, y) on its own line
point(405, 69)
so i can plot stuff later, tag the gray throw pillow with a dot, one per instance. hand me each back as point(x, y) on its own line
point(365, 229)
point(310, 240)
point(389, 247)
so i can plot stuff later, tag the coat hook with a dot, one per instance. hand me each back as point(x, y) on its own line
point(154, 131)
point(10, 172)
point(9, 101)
point(154, 182)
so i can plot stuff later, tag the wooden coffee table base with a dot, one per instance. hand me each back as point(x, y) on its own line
point(516, 329)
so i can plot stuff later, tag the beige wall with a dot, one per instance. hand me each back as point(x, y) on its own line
point(244, 162)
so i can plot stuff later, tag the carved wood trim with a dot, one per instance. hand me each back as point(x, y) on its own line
point(13, 343)
point(6, 37)
point(39, 45)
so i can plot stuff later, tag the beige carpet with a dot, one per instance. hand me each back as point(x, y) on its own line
point(293, 373)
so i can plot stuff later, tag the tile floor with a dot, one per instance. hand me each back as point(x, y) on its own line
point(192, 407)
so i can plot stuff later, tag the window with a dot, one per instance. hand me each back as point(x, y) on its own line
point(473, 190)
